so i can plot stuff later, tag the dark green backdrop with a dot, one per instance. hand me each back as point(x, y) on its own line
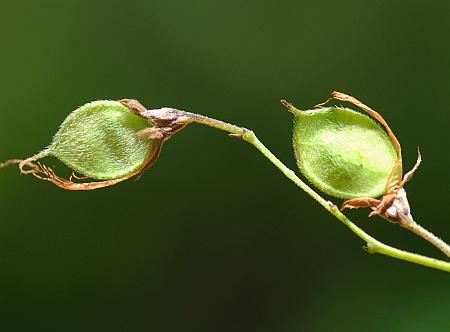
point(213, 237)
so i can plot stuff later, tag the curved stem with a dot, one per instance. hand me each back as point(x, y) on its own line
point(373, 245)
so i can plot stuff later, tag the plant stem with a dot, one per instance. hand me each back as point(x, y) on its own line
point(373, 245)
point(428, 236)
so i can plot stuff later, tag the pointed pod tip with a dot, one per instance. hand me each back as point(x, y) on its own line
point(285, 103)
point(10, 162)
point(133, 105)
point(291, 108)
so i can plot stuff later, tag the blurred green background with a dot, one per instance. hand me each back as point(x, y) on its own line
point(213, 237)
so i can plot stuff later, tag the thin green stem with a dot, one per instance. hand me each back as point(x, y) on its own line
point(373, 245)
point(428, 236)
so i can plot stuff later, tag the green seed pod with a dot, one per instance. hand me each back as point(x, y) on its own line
point(101, 140)
point(98, 140)
point(348, 155)
point(342, 152)
point(107, 141)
